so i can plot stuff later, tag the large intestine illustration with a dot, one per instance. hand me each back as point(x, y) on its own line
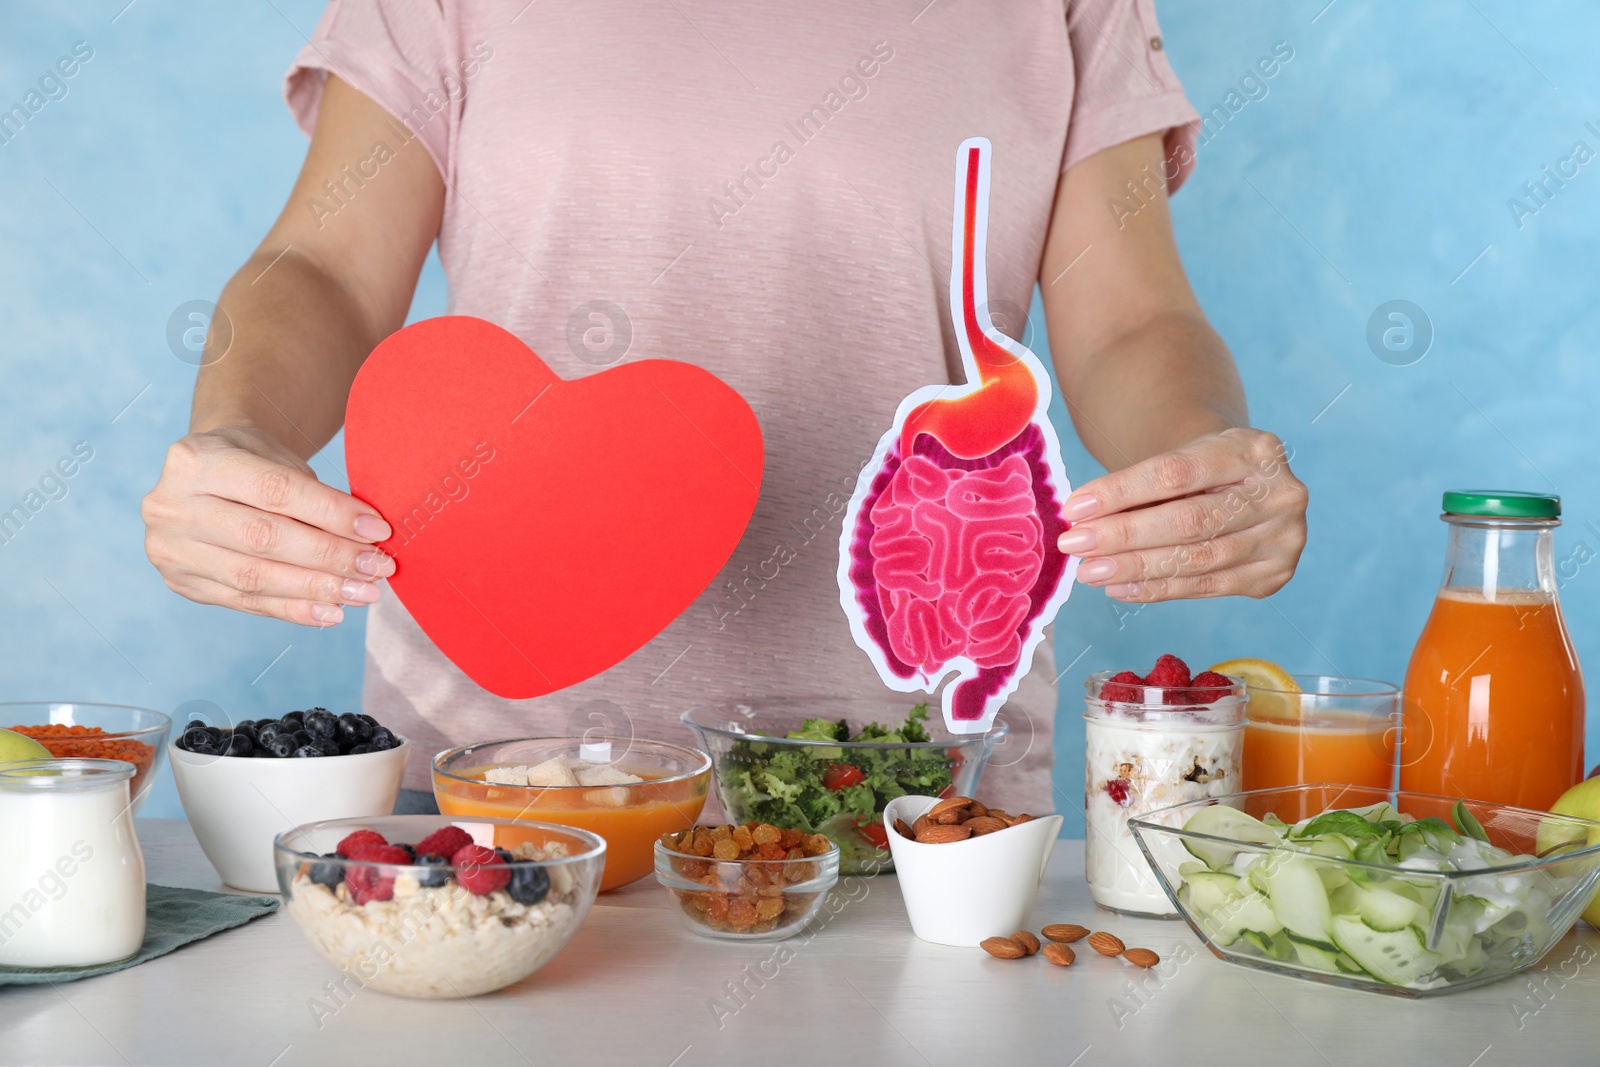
point(948, 559)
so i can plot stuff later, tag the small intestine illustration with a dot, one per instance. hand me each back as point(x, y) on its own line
point(948, 559)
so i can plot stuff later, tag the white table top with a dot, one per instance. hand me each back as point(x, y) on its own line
point(635, 988)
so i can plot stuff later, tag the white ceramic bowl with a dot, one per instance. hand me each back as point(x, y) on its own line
point(237, 805)
point(960, 892)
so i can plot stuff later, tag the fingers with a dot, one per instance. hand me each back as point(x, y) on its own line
point(269, 485)
point(1257, 579)
point(1187, 521)
point(301, 612)
point(1210, 462)
point(268, 536)
point(1172, 561)
point(253, 576)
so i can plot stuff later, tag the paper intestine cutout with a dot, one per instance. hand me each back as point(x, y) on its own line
point(948, 559)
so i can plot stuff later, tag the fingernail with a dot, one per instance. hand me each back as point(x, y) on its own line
point(1077, 541)
point(1081, 507)
point(326, 614)
point(355, 592)
point(375, 564)
point(1123, 590)
point(1096, 570)
point(372, 528)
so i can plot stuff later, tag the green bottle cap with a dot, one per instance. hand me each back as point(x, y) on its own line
point(1502, 503)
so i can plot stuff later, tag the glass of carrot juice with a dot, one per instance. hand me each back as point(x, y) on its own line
point(1334, 729)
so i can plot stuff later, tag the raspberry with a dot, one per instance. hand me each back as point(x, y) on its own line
point(359, 839)
point(446, 841)
point(1117, 789)
point(1211, 680)
point(1170, 672)
point(480, 870)
point(1120, 689)
point(366, 884)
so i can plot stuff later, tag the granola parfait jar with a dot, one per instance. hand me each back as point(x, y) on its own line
point(1147, 748)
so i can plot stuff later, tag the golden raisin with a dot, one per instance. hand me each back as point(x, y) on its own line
point(766, 834)
point(725, 849)
point(769, 907)
point(742, 913)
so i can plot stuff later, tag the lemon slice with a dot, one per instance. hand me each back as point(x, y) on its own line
point(1270, 687)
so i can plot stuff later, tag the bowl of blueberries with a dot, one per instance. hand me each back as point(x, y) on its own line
point(242, 784)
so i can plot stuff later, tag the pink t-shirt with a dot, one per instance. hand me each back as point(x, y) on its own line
point(764, 190)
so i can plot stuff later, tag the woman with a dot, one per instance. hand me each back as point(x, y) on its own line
point(765, 191)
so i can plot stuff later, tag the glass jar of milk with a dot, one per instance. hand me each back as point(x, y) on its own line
point(72, 877)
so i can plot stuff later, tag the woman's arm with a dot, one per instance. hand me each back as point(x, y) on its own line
point(1197, 503)
point(238, 518)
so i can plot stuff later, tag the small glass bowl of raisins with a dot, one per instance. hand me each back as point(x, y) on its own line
point(753, 882)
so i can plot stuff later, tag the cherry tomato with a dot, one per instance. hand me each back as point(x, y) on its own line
point(842, 776)
point(874, 832)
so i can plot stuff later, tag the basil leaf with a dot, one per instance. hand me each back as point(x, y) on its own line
point(1467, 823)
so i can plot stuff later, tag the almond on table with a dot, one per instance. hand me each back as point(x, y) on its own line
point(1002, 947)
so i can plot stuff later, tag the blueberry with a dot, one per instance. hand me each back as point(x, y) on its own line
point(432, 879)
point(352, 729)
point(356, 750)
point(321, 723)
point(281, 745)
point(410, 849)
point(237, 744)
point(327, 746)
point(529, 885)
point(382, 739)
point(265, 733)
point(369, 720)
point(246, 729)
point(193, 738)
point(328, 874)
point(206, 748)
point(292, 721)
point(307, 751)
point(302, 738)
point(243, 723)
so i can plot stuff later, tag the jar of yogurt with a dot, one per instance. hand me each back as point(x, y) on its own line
point(72, 876)
point(1164, 747)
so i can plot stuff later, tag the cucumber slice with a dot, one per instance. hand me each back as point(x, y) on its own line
point(1277, 947)
point(1397, 957)
point(1188, 867)
point(1315, 957)
point(1383, 909)
point(1219, 820)
point(1298, 898)
point(1336, 846)
point(1250, 911)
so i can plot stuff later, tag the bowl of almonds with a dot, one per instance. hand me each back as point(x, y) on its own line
point(966, 871)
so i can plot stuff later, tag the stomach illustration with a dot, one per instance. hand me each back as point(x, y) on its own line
point(948, 559)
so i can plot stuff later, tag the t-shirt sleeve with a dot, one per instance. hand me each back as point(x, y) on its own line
point(1125, 86)
point(404, 54)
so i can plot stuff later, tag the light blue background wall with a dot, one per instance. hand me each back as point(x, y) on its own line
point(1376, 167)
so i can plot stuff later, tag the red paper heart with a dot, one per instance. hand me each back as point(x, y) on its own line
point(545, 529)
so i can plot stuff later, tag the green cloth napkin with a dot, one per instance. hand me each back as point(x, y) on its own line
point(173, 918)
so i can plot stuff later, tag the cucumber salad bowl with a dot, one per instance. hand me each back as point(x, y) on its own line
point(1401, 893)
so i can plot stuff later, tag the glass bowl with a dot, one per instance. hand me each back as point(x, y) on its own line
point(1313, 910)
point(748, 899)
point(629, 817)
point(97, 731)
point(439, 931)
point(747, 743)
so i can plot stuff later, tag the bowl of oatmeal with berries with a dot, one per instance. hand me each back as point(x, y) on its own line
point(433, 907)
point(749, 882)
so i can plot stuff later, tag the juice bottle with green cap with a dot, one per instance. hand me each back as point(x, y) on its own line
point(1493, 700)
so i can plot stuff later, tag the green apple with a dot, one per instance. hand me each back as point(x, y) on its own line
point(15, 746)
point(1583, 802)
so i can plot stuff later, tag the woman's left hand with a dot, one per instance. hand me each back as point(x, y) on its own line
point(1220, 516)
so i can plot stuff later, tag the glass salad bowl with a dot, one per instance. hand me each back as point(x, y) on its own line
point(1402, 893)
point(850, 758)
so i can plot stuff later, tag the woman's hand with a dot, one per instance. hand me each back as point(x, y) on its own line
point(1220, 516)
point(239, 520)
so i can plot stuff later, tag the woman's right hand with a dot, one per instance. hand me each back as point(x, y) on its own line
point(239, 520)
